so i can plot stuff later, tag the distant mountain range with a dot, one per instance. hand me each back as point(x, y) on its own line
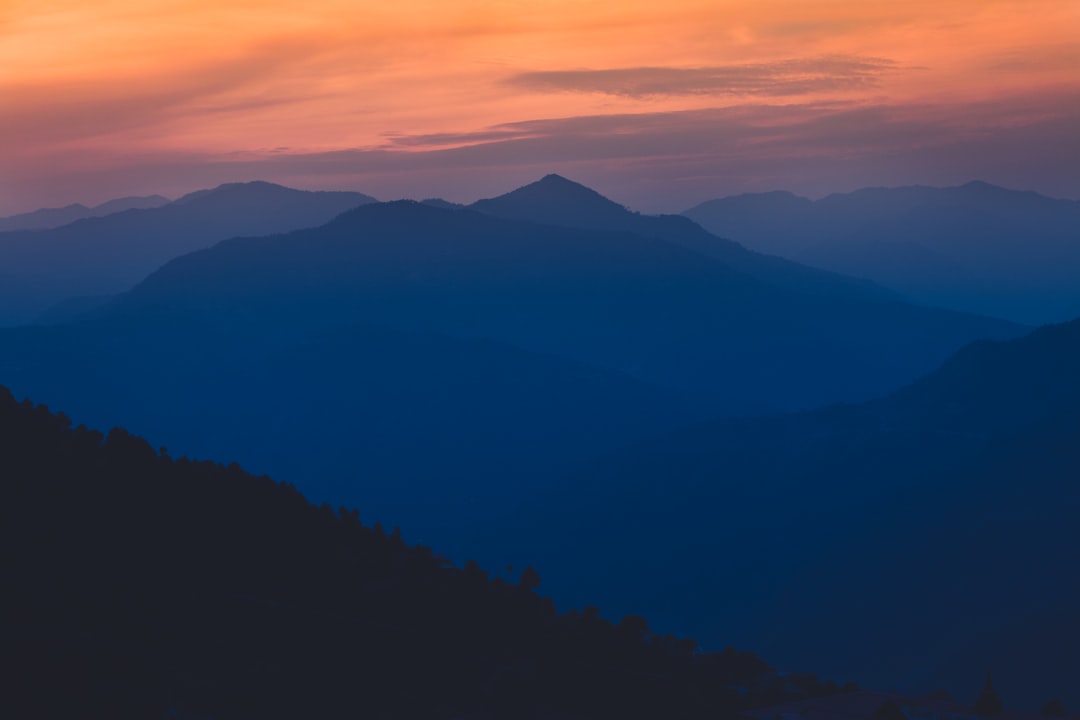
point(511, 351)
point(914, 541)
point(55, 217)
point(109, 254)
point(976, 247)
point(547, 376)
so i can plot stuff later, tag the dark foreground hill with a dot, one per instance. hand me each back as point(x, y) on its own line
point(109, 254)
point(913, 542)
point(975, 247)
point(138, 586)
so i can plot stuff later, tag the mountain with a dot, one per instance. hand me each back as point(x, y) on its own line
point(976, 247)
point(922, 538)
point(514, 352)
point(573, 203)
point(631, 303)
point(427, 430)
point(55, 217)
point(139, 586)
point(554, 200)
point(105, 255)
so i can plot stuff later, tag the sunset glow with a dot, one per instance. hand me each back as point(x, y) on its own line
point(123, 97)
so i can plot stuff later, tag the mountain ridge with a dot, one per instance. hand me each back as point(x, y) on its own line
point(109, 254)
point(975, 247)
point(556, 200)
point(648, 334)
point(48, 218)
point(277, 608)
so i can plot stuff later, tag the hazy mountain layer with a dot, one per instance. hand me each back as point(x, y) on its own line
point(631, 303)
point(55, 217)
point(554, 200)
point(922, 539)
point(426, 431)
point(440, 366)
point(976, 247)
point(102, 255)
point(416, 357)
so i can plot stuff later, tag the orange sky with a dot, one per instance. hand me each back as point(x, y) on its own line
point(460, 98)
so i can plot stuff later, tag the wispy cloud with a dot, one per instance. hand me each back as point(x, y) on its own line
point(798, 76)
point(49, 114)
point(657, 161)
point(507, 131)
point(1037, 58)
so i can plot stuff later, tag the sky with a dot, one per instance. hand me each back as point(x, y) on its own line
point(659, 105)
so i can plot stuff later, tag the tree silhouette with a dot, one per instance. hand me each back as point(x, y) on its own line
point(634, 626)
point(530, 579)
point(989, 704)
point(277, 609)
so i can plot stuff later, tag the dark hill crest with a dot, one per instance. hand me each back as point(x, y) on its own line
point(277, 609)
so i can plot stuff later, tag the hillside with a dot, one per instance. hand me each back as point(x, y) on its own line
point(142, 586)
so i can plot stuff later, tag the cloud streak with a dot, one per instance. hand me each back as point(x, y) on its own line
point(666, 161)
point(798, 76)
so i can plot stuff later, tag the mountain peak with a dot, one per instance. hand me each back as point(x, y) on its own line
point(985, 188)
point(567, 189)
point(555, 199)
point(556, 179)
point(552, 183)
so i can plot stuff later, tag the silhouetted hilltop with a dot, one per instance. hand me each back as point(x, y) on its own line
point(139, 586)
point(109, 254)
point(55, 217)
point(974, 247)
point(922, 538)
